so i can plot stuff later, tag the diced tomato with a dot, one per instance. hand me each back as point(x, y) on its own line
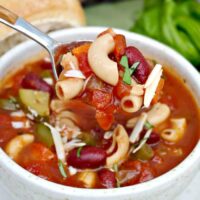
point(131, 171)
point(120, 46)
point(6, 130)
point(6, 134)
point(121, 89)
point(147, 173)
point(35, 152)
point(81, 53)
point(104, 119)
point(101, 99)
point(5, 120)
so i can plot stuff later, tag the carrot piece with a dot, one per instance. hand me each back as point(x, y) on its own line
point(158, 91)
point(81, 49)
point(120, 46)
point(81, 53)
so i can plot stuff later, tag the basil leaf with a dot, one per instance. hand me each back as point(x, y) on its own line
point(127, 77)
point(124, 61)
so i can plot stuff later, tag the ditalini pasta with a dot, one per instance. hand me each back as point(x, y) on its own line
point(111, 120)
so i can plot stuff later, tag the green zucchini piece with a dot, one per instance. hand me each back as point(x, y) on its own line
point(88, 138)
point(35, 100)
point(43, 135)
point(145, 153)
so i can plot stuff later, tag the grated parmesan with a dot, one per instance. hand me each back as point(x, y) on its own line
point(58, 142)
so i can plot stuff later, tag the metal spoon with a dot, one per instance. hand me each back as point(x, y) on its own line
point(19, 24)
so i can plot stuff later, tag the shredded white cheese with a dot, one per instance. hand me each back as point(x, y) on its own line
point(33, 112)
point(73, 144)
point(18, 113)
point(143, 141)
point(135, 135)
point(72, 170)
point(152, 84)
point(58, 143)
point(48, 80)
point(20, 124)
point(153, 75)
point(74, 73)
point(108, 135)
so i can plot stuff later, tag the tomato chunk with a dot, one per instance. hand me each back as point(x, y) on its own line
point(121, 89)
point(120, 46)
point(81, 53)
point(104, 119)
point(101, 99)
point(35, 152)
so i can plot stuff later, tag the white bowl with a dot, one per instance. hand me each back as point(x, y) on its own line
point(27, 186)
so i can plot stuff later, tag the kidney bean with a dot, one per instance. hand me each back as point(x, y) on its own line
point(46, 64)
point(153, 139)
point(90, 157)
point(142, 72)
point(33, 81)
point(107, 178)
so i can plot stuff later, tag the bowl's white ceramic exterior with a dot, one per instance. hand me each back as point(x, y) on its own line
point(26, 186)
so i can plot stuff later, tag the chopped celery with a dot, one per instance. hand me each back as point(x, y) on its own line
point(88, 138)
point(145, 153)
point(7, 104)
point(43, 135)
point(36, 101)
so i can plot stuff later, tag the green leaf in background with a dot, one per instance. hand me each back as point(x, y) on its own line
point(121, 14)
point(174, 22)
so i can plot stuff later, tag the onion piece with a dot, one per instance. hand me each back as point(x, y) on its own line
point(58, 142)
point(74, 73)
point(143, 141)
point(134, 137)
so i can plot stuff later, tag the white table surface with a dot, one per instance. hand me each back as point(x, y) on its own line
point(192, 192)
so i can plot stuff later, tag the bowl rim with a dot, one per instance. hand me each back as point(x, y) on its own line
point(176, 172)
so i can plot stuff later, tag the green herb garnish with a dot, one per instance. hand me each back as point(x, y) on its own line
point(128, 71)
point(61, 168)
point(79, 152)
point(115, 167)
point(148, 125)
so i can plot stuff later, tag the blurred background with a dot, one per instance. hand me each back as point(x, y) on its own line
point(173, 22)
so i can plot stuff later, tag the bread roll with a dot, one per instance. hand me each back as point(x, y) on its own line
point(47, 15)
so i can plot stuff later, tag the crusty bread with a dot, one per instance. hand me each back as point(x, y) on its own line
point(47, 15)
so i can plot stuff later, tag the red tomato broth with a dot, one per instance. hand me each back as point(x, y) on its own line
point(108, 114)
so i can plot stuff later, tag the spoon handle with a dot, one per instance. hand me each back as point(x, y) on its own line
point(19, 24)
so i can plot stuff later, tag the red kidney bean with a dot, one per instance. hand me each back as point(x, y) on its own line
point(143, 70)
point(33, 81)
point(153, 139)
point(90, 157)
point(46, 64)
point(107, 178)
